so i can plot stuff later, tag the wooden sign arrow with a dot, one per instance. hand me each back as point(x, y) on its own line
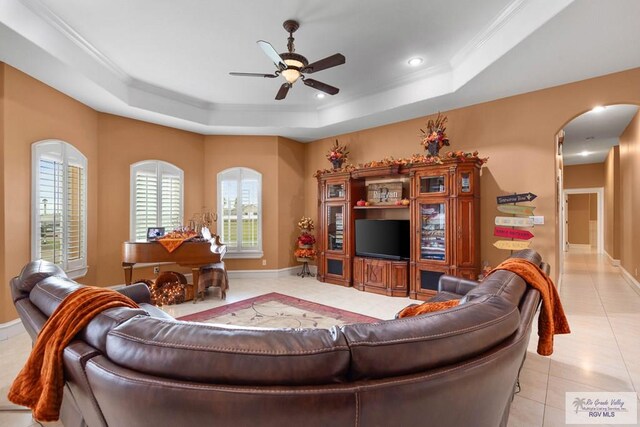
point(512, 233)
point(516, 198)
point(511, 245)
point(517, 209)
point(514, 221)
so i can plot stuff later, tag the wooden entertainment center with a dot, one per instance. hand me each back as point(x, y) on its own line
point(444, 214)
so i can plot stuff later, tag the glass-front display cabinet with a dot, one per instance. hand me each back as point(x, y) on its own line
point(433, 232)
point(335, 228)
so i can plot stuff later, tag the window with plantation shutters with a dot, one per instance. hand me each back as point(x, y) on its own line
point(240, 212)
point(156, 197)
point(59, 191)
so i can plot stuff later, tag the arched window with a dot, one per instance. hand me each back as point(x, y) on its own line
point(240, 212)
point(156, 197)
point(59, 206)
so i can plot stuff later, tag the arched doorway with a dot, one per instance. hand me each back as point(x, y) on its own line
point(588, 177)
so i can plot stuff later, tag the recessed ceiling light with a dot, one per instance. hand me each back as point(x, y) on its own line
point(585, 153)
point(414, 62)
point(320, 95)
point(598, 109)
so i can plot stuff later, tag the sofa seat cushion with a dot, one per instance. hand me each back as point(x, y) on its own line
point(206, 353)
point(415, 344)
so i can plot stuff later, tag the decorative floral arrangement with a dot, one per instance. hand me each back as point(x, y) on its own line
point(305, 223)
point(306, 239)
point(305, 253)
point(337, 155)
point(435, 137)
point(415, 159)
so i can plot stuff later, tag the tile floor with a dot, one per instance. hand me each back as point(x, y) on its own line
point(602, 353)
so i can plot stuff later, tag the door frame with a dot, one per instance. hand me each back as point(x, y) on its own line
point(599, 192)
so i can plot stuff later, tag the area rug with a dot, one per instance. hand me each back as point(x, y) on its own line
point(275, 310)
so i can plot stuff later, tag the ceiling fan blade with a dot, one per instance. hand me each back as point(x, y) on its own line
point(282, 93)
point(272, 54)
point(321, 86)
point(267, 76)
point(323, 64)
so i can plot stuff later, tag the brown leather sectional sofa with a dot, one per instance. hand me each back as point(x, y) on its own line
point(140, 367)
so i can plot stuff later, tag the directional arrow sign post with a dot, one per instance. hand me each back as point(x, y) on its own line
point(512, 233)
point(514, 221)
point(516, 198)
point(517, 209)
point(511, 245)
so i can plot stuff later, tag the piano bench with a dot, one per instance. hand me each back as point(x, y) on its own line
point(213, 275)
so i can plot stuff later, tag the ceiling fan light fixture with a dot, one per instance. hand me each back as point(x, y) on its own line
point(414, 62)
point(292, 73)
point(320, 95)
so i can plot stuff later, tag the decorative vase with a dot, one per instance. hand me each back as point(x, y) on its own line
point(304, 246)
point(337, 163)
point(433, 148)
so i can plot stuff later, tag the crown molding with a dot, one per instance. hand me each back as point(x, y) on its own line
point(47, 15)
point(488, 32)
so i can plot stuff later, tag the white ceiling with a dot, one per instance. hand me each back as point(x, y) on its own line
point(595, 133)
point(167, 62)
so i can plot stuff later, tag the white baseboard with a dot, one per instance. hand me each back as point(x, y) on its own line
point(267, 274)
point(579, 246)
point(11, 329)
point(629, 278)
point(614, 262)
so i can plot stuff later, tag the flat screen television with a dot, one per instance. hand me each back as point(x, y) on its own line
point(383, 238)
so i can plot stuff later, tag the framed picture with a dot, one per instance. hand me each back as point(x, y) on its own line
point(153, 233)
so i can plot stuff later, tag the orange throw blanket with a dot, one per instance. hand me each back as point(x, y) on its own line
point(552, 320)
point(40, 383)
point(427, 307)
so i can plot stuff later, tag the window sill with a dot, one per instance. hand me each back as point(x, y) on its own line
point(244, 255)
point(77, 273)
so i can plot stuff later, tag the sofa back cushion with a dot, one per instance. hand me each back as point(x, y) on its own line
point(505, 283)
point(210, 353)
point(32, 273)
point(47, 295)
point(416, 344)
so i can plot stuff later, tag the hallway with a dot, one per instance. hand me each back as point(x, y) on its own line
point(601, 353)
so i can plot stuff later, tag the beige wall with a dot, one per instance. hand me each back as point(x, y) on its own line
point(629, 197)
point(281, 163)
point(578, 212)
point(612, 206)
point(34, 111)
point(6, 308)
point(516, 133)
point(291, 175)
point(584, 176)
point(123, 142)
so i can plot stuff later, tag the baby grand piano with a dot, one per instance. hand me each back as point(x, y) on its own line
point(188, 254)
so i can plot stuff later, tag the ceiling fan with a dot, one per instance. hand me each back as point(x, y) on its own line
point(293, 66)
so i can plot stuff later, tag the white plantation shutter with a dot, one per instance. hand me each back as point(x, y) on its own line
point(171, 201)
point(59, 201)
point(240, 206)
point(156, 197)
